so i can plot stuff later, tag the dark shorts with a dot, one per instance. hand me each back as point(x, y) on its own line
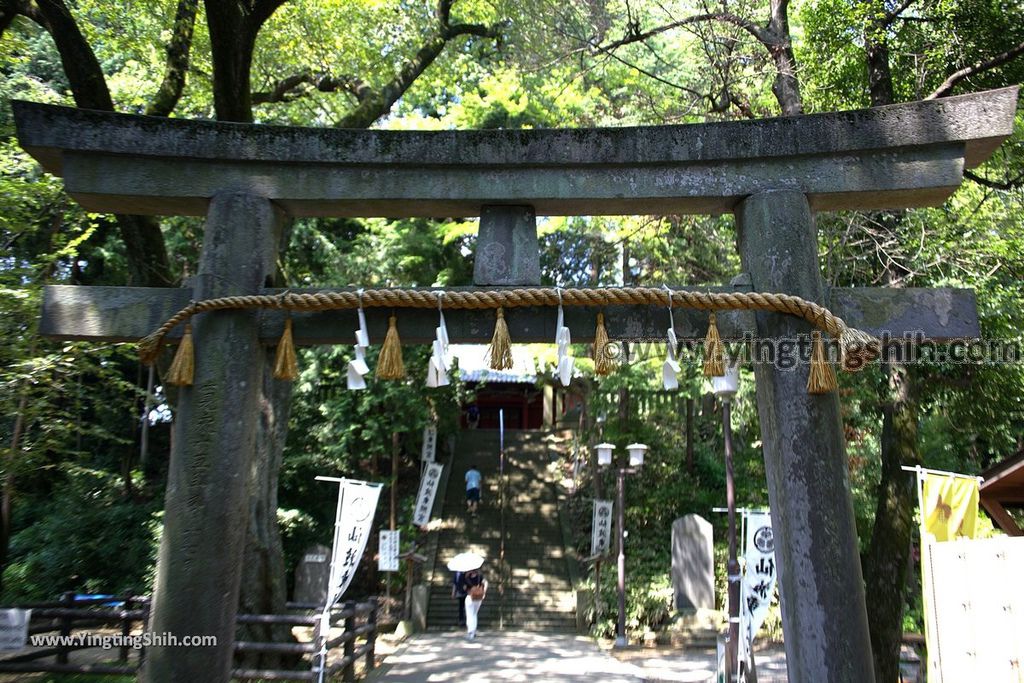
point(473, 495)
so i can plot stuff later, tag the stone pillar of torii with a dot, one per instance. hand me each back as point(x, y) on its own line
point(773, 174)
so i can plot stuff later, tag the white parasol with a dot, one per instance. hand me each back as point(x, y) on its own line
point(465, 562)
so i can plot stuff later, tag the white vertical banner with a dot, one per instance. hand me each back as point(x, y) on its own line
point(387, 557)
point(428, 489)
point(977, 613)
point(429, 443)
point(357, 501)
point(759, 576)
point(352, 529)
point(601, 537)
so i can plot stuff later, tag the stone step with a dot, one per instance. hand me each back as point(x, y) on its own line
point(557, 601)
point(447, 612)
point(492, 624)
point(537, 585)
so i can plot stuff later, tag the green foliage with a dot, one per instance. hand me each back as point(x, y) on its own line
point(84, 518)
point(665, 488)
point(84, 537)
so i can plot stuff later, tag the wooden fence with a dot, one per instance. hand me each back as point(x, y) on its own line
point(125, 613)
point(642, 403)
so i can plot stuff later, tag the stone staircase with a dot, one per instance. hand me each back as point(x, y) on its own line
point(528, 574)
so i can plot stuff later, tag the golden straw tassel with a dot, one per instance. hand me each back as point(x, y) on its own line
point(714, 351)
point(499, 354)
point(286, 367)
point(183, 366)
point(389, 364)
point(604, 364)
point(822, 378)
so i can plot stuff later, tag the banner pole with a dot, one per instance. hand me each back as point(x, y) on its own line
point(325, 615)
point(924, 470)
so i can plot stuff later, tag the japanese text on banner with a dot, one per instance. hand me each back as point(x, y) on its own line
point(358, 503)
point(387, 559)
point(759, 577)
point(601, 538)
point(429, 444)
point(425, 497)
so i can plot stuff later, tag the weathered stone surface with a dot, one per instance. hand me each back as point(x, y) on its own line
point(821, 589)
point(507, 252)
point(207, 501)
point(693, 563)
point(130, 313)
point(312, 575)
point(898, 156)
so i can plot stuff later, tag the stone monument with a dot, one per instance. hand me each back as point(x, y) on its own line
point(693, 563)
point(312, 575)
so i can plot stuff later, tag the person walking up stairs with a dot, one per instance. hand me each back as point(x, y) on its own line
point(529, 577)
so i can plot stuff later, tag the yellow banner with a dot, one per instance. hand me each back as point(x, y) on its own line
point(949, 510)
point(950, 507)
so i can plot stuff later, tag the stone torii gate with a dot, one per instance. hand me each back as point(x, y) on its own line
point(773, 174)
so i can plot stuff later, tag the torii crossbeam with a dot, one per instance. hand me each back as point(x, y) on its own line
point(772, 174)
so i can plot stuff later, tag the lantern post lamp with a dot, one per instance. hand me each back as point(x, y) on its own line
point(725, 388)
point(636, 453)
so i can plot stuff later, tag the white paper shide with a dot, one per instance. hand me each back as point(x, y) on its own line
point(670, 368)
point(357, 367)
point(440, 362)
point(562, 341)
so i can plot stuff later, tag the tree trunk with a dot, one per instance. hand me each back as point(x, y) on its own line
point(82, 69)
point(786, 86)
point(178, 50)
point(148, 265)
point(264, 587)
point(887, 560)
point(879, 76)
point(146, 252)
point(232, 41)
point(264, 581)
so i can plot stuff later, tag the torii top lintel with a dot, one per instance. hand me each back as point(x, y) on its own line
point(898, 156)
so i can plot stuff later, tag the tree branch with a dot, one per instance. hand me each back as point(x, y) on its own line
point(9, 11)
point(634, 35)
point(262, 10)
point(178, 49)
point(444, 12)
point(655, 77)
point(978, 67)
point(895, 13)
point(478, 30)
point(743, 105)
point(88, 85)
point(374, 104)
point(995, 184)
point(288, 89)
point(146, 251)
point(774, 38)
